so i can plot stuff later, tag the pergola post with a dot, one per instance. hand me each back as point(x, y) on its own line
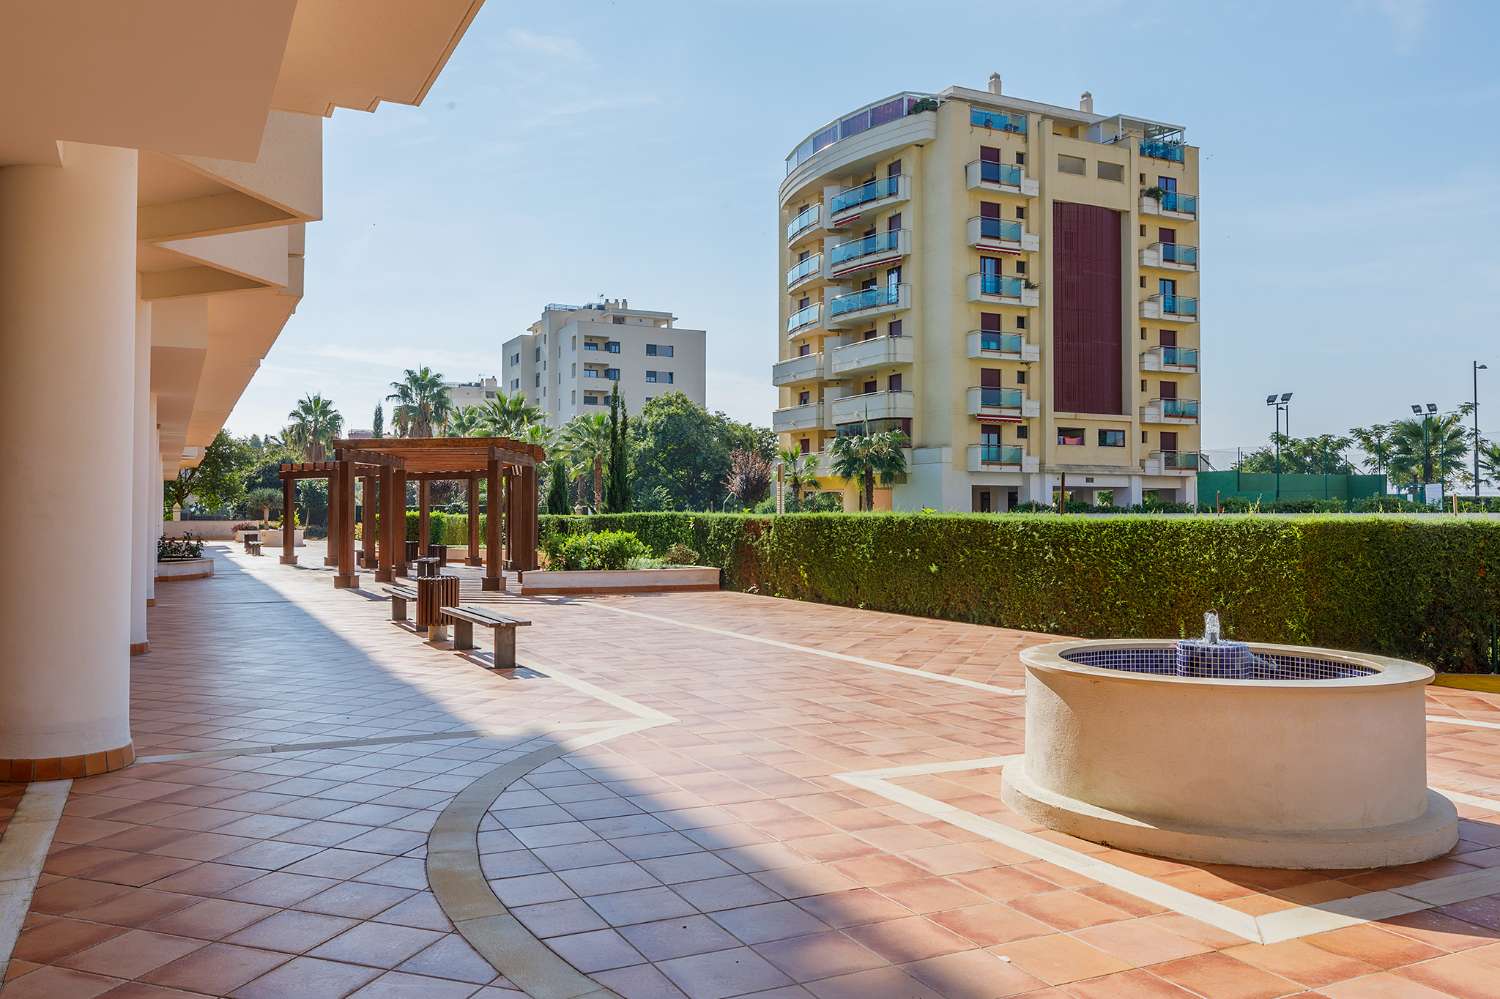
point(369, 533)
point(510, 518)
point(331, 557)
point(288, 520)
point(473, 556)
point(424, 498)
point(398, 528)
point(385, 570)
point(524, 536)
point(492, 577)
point(347, 577)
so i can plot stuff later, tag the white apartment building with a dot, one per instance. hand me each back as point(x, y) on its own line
point(481, 390)
point(572, 357)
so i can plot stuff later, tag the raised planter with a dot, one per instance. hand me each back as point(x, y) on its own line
point(676, 578)
point(271, 538)
point(188, 568)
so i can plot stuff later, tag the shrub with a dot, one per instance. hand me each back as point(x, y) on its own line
point(245, 526)
point(1425, 588)
point(178, 549)
point(593, 550)
point(678, 553)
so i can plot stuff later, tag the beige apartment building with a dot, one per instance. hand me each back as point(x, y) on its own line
point(1012, 284)
point(481, 390)
point(574, 355)
point(159, 162)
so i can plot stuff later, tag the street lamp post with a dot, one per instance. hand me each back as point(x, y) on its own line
point(1477, 368)
point(1281, 402)
point(1426, 415)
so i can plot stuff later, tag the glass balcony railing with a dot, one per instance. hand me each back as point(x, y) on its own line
point(1180, 409)
point(1004, 174)
point(1180, 357)
point(1000, 121)
point(1001, 285)
point(868, 117)
point(1177, 305)
point(880, 242)
point(1177, 253)
point(1000, 343)
point(805, 220)
point(1175, 201)
point(803, 317)
point(1000, 398)
point(999, 454)
point(1160, 149)
point(1004, 230)
point(869, 298)
point(1179, 459)
point(804, 268)
point(885, 187)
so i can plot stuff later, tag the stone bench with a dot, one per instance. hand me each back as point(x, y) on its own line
point(466, 616)
point(399, 597)
point(253, 547)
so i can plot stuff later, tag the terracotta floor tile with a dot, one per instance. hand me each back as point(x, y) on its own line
point(136, 908)
point(1382, 985)
point(308, 978)
point(217, 969)
point(1067, 910)
point(819, 955)
point(400, 985)
point(852, 907)
point(1004, 883)
point(69, 894)
point(1467, 973)
point(680, 937)
point(723, 973)
point(913, 938)
point(291, 931)
point(355, 900)
point(596, 950)
point(210, 919)
point(131, 954)
point(1374, 945)
point(451, 957)
point(1137, 984)
point(1059, 959)
point(973, 974)
point(756, 924)
point(892, 982)
point(1224, 977)
point(1440, 930)
point(1302, 962)
point(931, 895)
point(58, 938)
point(59, 983)
point(378, 944)
point(1140, 942)
point(643, 981)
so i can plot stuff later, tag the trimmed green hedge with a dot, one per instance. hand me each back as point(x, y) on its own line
point(1420, 588)
point(443, 528)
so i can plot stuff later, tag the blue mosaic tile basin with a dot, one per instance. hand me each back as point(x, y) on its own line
point(1223, 661)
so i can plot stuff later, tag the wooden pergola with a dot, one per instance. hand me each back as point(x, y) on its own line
point(386, 464)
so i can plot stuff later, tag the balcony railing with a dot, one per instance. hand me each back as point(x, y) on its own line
point(1180, 357)
point(1158, 149)
point(986, 397)
point(804, 269)
point(1000, 121)
point(1176, 305)
point(888, 241)
point(869, 298)
point(805, 367)
point(868, 355)
point(1173, 201)
point(1182, 460)
point(875, 190)
point(804, 220)
point(997, 454)
point(1004, 230)
point(873, 406)
point(868, 117)
point(1179, 409)
point(1176, 255)
point(994, 344)
point(1001, 174)
point(803, 317)
point(807, 416)
point(984, 286)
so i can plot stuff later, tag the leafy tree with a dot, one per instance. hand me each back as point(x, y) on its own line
point(508, 415)
point(557, 493)
point(263, 500)
point(617, 491)
point(314, 425)
point(423, 404)
point(377, 425)
point(218, 480)
point(749, 477)
point(865, 457)
point(799, 475)
point(681, 455)
point(748, 437)
point(584, 444)
point(1375, 442)
point(1324, 454)
point(466, 422)
point(1429, 449)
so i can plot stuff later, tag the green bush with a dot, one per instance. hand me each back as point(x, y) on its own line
point(444, 528)
point(679, 554)
point(593, 550)
point(1424, 588)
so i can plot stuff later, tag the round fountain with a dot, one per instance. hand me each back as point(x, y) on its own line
point(1233, 753)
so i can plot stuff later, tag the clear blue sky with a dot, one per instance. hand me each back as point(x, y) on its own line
point(1350, 182)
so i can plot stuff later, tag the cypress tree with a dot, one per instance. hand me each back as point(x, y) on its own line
point(557, 492)
point(617, 477)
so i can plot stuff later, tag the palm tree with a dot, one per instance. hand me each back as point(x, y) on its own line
point(1489, 460)
point(1375, 442)
point(423, 405)
point(466, 422)
point(863, 457)
point(315, 423)
point(1429, 449)
point(798, 473)
point(508, 414)
point(584, 443)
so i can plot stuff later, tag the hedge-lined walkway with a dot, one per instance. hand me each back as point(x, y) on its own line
point(715, 851)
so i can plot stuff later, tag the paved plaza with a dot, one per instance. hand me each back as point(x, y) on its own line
point(703, 795)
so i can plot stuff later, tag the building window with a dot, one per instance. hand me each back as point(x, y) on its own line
point(1143, 436)
point(658, 350)
point(1071, 164)
point(804, 397)
point(1021, 432)
point(613, 346)
point(573, 398)
point(894, 329)
point(1111, 438)
point(1020, 378)
point(1070, 436)
point(1020, 322)
point(651, 376)
point(1020, 211)
point(613, 374)
point(1020, 267)
point(1020, 159)
point(1111, 171)
point(893, 383)
point(618, 320)
point(536, 381)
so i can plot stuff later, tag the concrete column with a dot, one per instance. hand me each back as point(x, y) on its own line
point(67, 312)
point(1038, 488)
point(1131, 494)
point(144, 457)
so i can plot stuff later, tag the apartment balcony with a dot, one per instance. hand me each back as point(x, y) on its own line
point(1179, 359)
point(849, 205)
point(804, 271)
point(806, 368)
point(1000, 458)
point(1172, 308)
point(861, 306)
point(875, 250)
point(804, 319)
point(873, 406)
point(1007, 178)
point(1170, 411)
point(987, 345)
point(1002, 235)
point(1172, 205)
point(808, 220)
point(1170, 462)
point(988, 401)
point(1001, 289)
point(794, 418)
point(869, 355)
point(1170, 256)
point(1163, 149)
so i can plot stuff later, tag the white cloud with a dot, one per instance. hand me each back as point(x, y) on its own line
point(552, 46)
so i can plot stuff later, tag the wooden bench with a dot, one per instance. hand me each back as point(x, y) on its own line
point(253, 547)
point(466, 616)
point(399, 596)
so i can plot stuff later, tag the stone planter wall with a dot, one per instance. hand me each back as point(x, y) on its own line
point(192, 568)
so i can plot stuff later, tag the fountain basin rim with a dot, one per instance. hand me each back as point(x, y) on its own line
point(1385, 674)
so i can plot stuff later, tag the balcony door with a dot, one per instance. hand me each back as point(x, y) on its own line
point(1168, 390)
point(1169, 441)
point(989, 267)
point(1167, 288)
point(1169, 338)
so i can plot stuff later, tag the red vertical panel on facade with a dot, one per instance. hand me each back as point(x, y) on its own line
point(1087, 320)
